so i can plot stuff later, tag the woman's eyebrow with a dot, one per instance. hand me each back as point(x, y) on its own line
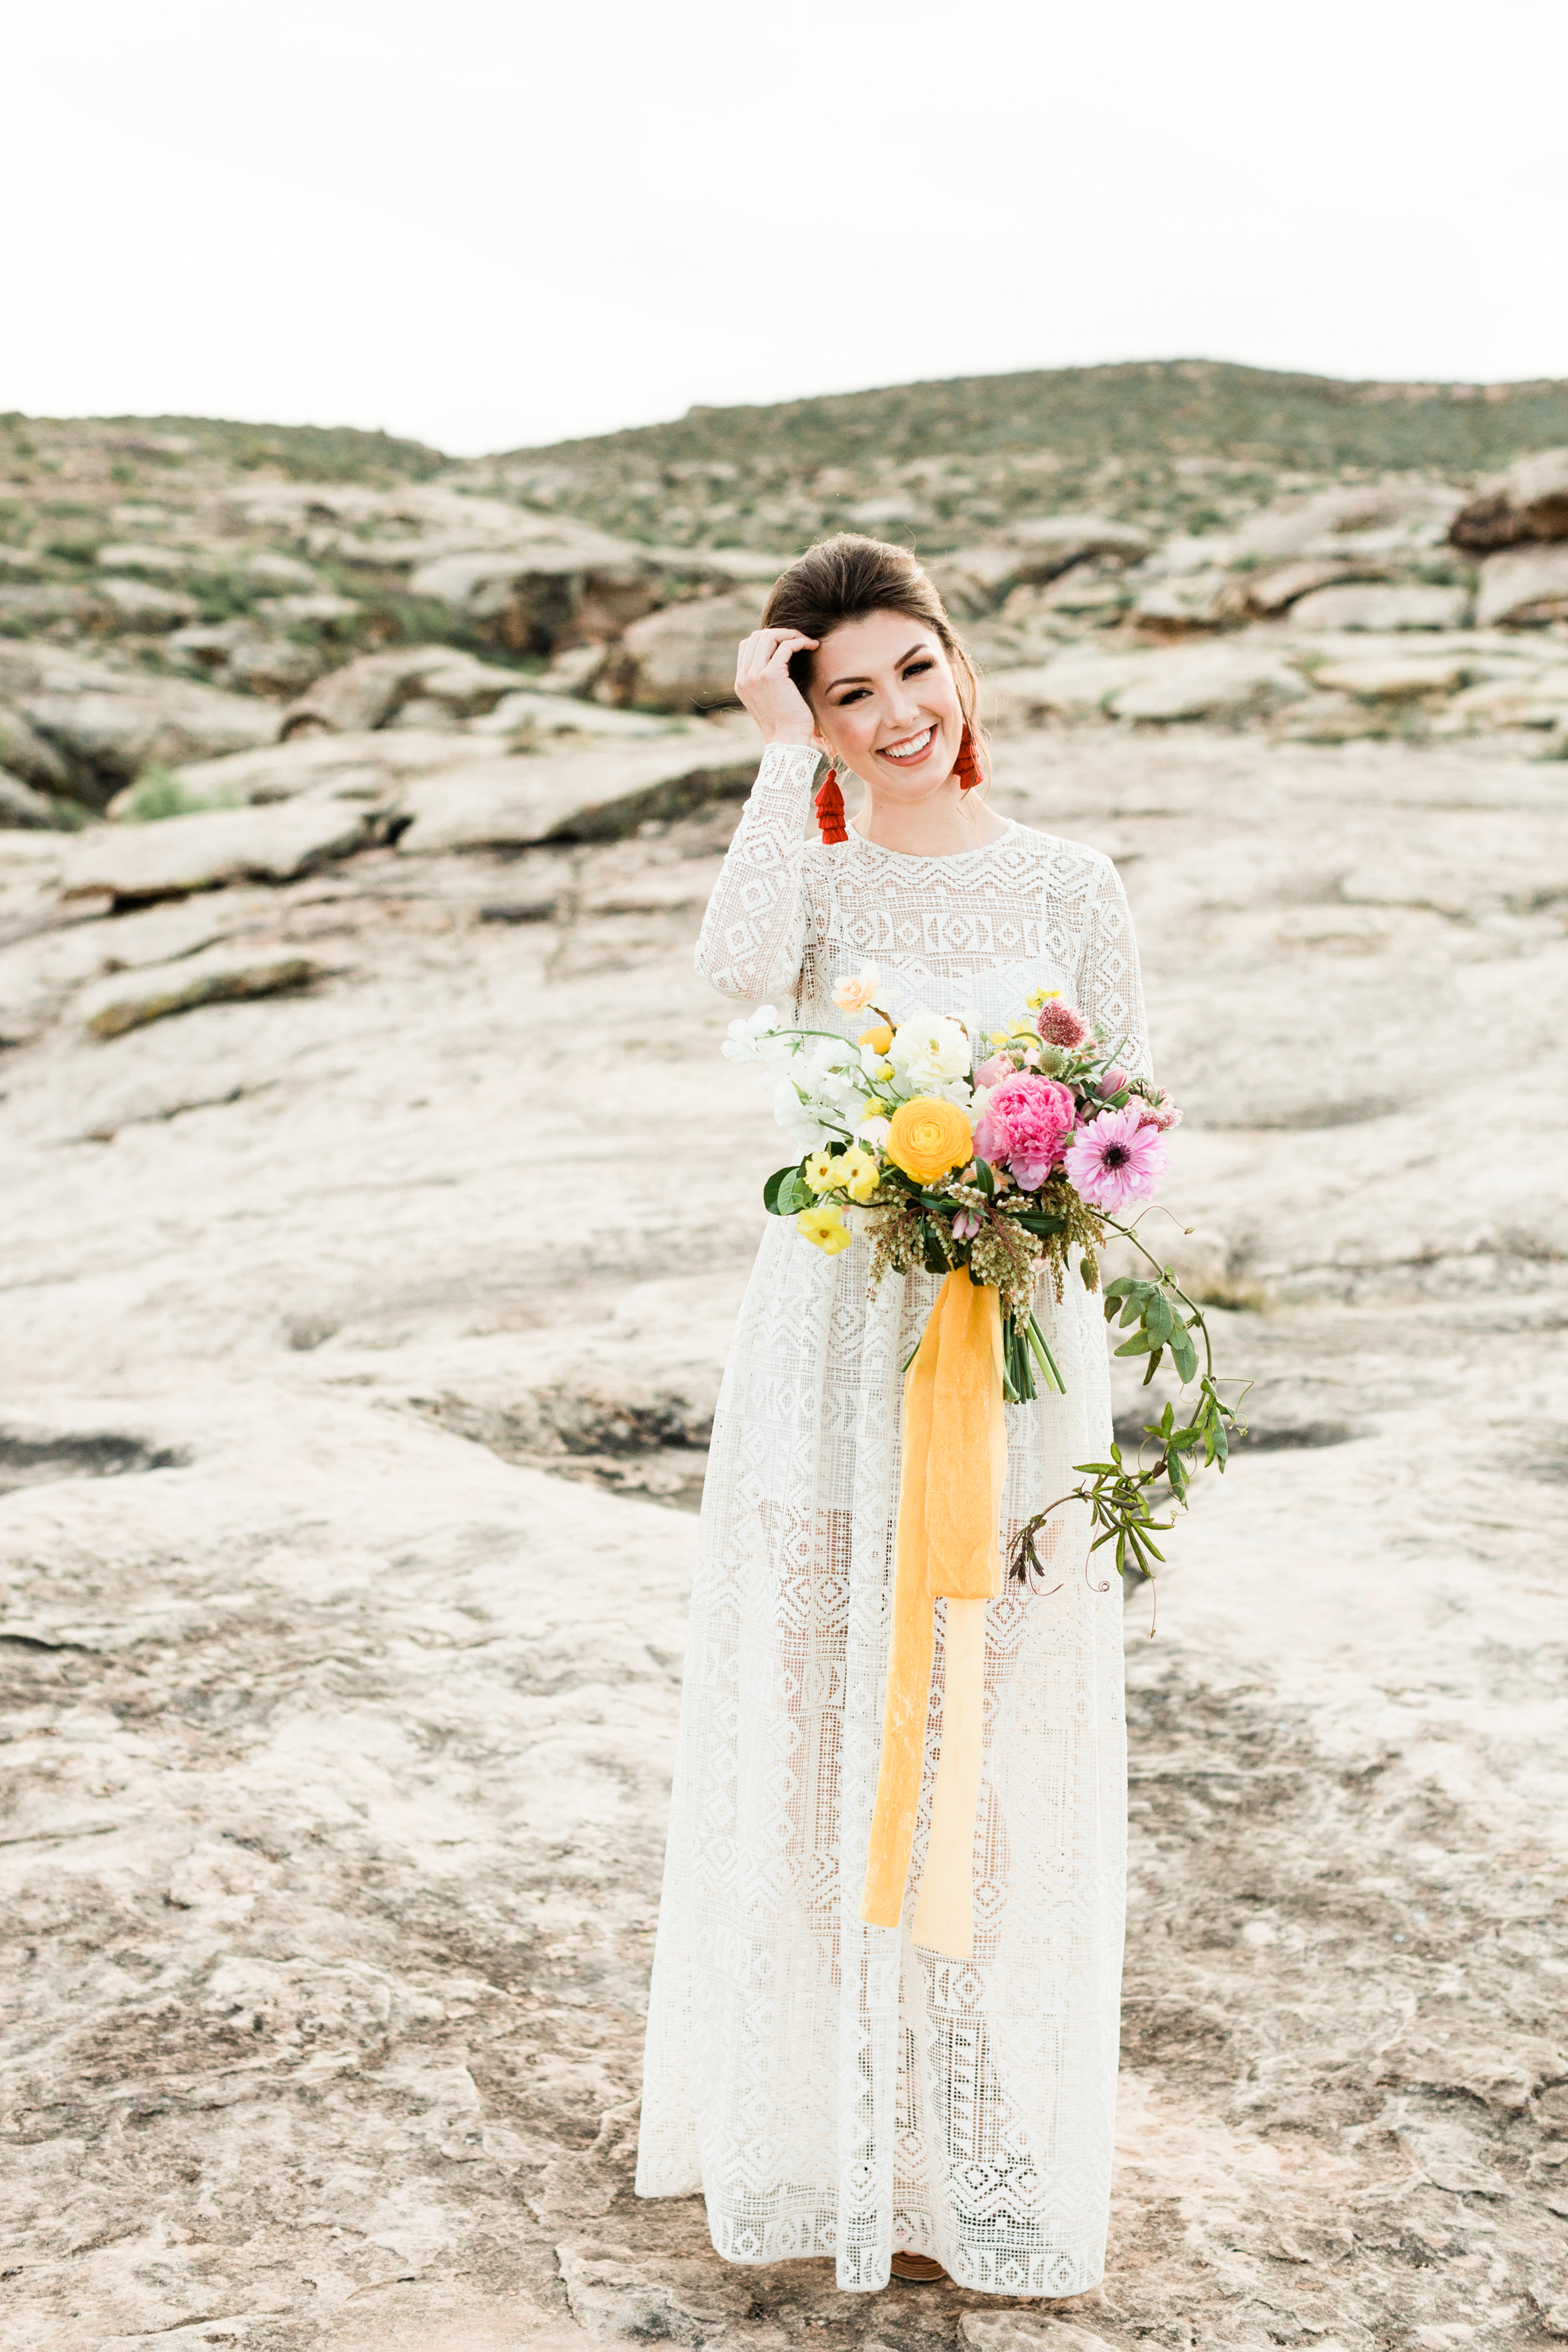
point(919, 647)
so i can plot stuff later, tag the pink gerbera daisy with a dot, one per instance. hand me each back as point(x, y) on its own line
point(1064, 1026)
point(1116, 1160)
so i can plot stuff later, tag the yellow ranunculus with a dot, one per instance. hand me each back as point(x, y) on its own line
point(826, 1228)
point(928, 1137)
point(879, 1038)
point(821, 1172)
point(857, 1173)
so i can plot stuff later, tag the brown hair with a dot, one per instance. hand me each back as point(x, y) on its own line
point(844, 579)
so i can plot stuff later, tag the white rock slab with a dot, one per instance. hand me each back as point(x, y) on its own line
point(129, 1000)
point(574, 795)
point(1395, 678)
point(183, 854)
point(1368, 606)
point(1524, 584)
point(1209, 682)
point(329, 765)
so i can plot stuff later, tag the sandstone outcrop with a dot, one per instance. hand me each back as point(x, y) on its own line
point(683, 658)
point(1523, 586)
point(1530, 502)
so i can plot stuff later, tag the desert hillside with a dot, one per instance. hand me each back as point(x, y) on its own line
point(377, 1209)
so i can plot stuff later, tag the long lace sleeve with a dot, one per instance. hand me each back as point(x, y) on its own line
point(753, 940)
point(1110, 984)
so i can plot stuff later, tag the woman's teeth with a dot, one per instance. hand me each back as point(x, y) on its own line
point(911, 748)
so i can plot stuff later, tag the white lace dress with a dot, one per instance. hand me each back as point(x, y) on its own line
point(832, 2088)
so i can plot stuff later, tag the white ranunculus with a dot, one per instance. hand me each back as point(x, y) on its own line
point(873, 1130)
point(928, 1052)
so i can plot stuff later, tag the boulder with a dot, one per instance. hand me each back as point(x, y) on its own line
point(1193, 600)
point(182, 853)
point(1529, 502)
point(684, 657)
point(118, 725)
point(1395, 678)
point(128, 999)
point(21, 805)
point(368, 693)
point(575, 586)
point(160, 562)
point(317, 608)
point(140, 604)
point(1074, 686)
point(1030, 554)
point(53, 600)
point(367, 765)
point(1524, 586)
point(1539, 700)
point(1219, 682)
point(526, 712)
point(25, 753)
point(284, 573)
point(240, 654)
point(583, 796)
point(1408, 606)
point(1272, 592)
point(1406, 509)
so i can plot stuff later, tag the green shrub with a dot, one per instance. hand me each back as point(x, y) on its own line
point(157, 793)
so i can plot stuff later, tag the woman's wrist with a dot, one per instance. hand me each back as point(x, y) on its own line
point(778, 742)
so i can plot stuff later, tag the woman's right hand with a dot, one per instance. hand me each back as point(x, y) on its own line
point(764, 684)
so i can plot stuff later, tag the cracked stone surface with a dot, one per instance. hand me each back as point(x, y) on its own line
point(355, 1385)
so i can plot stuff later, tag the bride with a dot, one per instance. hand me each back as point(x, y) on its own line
point(833, 2087)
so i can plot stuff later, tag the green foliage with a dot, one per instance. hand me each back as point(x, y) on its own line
point(305, 453)
point(1173, 444)
point(157, 793)
point(1119, 1493)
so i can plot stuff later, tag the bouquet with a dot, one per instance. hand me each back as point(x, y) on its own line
point(1001, 1155)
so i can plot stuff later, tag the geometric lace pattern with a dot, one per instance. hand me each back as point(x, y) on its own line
point(831, 2088)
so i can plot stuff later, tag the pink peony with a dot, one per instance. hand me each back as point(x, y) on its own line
point(1116, 1159)
point(992, 1073)
point(1064, 1026)
point(1027, 1127)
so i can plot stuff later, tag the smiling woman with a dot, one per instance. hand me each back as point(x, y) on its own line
point(833, 2083)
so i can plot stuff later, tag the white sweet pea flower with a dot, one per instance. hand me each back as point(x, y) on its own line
point(804, 1131)
point(744, 1042)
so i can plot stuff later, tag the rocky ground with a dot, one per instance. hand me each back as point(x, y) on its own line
point(355, 1411)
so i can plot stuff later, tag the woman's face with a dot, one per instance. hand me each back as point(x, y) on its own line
point(886, 705)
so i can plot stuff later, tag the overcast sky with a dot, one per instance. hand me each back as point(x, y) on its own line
point(490, 225)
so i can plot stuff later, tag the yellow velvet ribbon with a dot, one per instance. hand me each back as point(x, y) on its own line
point(955, 1456)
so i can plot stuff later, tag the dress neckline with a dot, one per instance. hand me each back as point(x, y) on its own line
point(940, 857)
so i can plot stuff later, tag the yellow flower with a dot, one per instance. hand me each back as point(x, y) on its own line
point(1042, 996)
point(826, 1228)
point(857, 1173)
point(821, 1172)
point(882, 1072)
point(928, 1137)
point(879, 1038)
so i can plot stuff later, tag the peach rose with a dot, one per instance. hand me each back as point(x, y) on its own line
point(854, 995)
point(928, 1137)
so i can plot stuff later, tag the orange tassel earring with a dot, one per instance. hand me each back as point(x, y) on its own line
point(967, 767)
point(830, 812)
